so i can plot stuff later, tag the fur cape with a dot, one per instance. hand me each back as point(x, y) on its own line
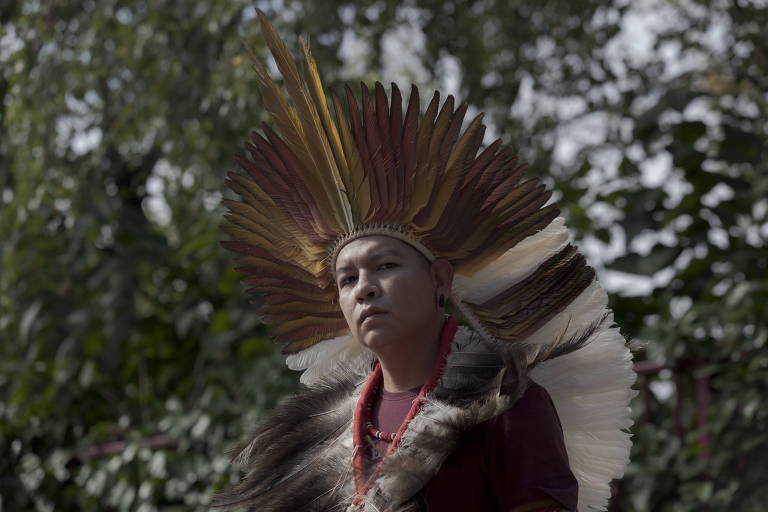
point(300, 459)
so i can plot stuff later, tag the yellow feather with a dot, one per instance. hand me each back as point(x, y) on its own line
point(442, 123)
point(283, 115)
point(321, 102)
point(321, 162)
point(257, 199)
point(360, 193)
point(459, 153)
point(297, 346)
point(301, 307)
point(296, 271)
point(303, 321)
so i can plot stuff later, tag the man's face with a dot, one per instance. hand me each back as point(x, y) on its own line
point(387, 291)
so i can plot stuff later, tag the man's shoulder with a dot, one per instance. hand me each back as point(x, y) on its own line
point(534, 397)
point(533, 411)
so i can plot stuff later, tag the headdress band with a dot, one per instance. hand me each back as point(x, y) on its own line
point(393, 231)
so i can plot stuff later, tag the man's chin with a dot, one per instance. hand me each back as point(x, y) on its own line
point(377, 338)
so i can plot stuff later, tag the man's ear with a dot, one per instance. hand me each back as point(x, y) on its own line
point(442, 273)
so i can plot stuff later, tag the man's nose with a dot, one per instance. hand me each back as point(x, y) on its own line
point(366, 288)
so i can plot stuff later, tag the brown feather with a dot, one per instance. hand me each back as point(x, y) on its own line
point(410, 129)
point(379, 177)
point(362, 149)
point(358, 189)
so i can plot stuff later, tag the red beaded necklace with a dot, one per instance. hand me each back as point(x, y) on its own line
point(370, 428)
point(364, 411)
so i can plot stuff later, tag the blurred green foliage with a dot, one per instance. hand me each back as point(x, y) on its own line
point(129, 360)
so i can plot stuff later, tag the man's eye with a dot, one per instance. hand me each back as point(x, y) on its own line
point(389, 264)
point(346, 280)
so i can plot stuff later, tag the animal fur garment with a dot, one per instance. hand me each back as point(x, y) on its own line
point(301, 458)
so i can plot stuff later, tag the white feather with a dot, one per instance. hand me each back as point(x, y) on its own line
point(329, 355)
point(585, 309)
point(591, 390)
point(515, 264)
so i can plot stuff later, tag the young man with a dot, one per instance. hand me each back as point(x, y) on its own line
point(355, 231)
point(393, 301)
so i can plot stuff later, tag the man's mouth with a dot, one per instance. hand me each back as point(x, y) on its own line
point(371, 312)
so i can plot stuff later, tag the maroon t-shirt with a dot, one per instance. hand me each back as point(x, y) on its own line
point(515, 458)
point(389, 412)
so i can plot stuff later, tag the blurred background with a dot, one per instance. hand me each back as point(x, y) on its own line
point(130, 360)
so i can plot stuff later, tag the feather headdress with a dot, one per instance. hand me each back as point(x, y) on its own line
point(332, 169)
point(324, 179)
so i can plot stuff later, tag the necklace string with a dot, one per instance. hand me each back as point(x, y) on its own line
point(369, 426)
